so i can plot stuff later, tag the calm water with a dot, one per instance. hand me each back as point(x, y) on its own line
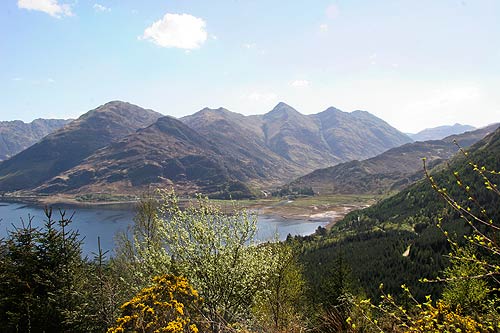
point(105, 222)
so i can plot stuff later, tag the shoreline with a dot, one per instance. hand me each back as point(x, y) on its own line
point(313, 209)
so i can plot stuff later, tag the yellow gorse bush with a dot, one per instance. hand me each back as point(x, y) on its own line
point(162, 307)
point(442, 318)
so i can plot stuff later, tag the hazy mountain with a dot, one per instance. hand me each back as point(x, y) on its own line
point(242, 140)
point(16, 135)
point(440, 132)
point(357, 135)
point(71, 144)
point(284, 142)
point(391, 170)
point(297, 137)
point(468, 138)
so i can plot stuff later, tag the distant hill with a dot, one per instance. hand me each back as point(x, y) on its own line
point(15, 136)
point(117, 148)
point(396, 241)
point(440, 132)
point(70, 145)
point(391, 170)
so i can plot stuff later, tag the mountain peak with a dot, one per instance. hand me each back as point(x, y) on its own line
point(282, 109)
point(333, 109)
point(219, 110)
point(114, 104)
point(440, 132)
point(282, 106)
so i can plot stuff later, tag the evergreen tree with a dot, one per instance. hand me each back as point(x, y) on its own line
point(42, 276)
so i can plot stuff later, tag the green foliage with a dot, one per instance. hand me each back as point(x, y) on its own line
point(216, 252)
point(461, 291)
point(103, 293)
point(215, 249)
point(469, 303)
point(41, 277)
point(142, 253)
point(279, 306)
point(293, 191)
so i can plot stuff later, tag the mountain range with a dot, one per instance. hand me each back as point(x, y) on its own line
point(15, 136)
point(392, 170)
point(440, 132)
point(71, 144)
point(120, 147)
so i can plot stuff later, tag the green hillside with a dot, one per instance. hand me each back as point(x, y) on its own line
point(374, 242)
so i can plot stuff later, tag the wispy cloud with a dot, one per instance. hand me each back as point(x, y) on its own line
point(100, 8)
point(300, 83)
point(323, 27)
point(249, 45)
point(181, 31)
point(34, 82)
point(262, 96)
point(51, 7)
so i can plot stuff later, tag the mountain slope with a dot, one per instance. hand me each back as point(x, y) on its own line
point(357, 135)
point(396, 241)
point(440, 132)
point(284, 143)
point(71, 144)
point(167, 153)
point(242, 140)
point(296, 137)
point(15, 136)
point(391, 170)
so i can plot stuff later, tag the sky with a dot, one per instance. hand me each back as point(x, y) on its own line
point(414, 63)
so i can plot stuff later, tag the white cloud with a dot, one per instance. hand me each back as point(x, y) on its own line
point(300, 83)
point(262, 97)
point(100, 8)
point(323, 27)
point(51, 7)
point(249, 45)
point(182, 31)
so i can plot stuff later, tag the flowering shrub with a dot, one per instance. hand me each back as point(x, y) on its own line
point(441, 318)
point(163, 307)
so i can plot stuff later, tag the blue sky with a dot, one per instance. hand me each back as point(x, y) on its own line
point(414, 63)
